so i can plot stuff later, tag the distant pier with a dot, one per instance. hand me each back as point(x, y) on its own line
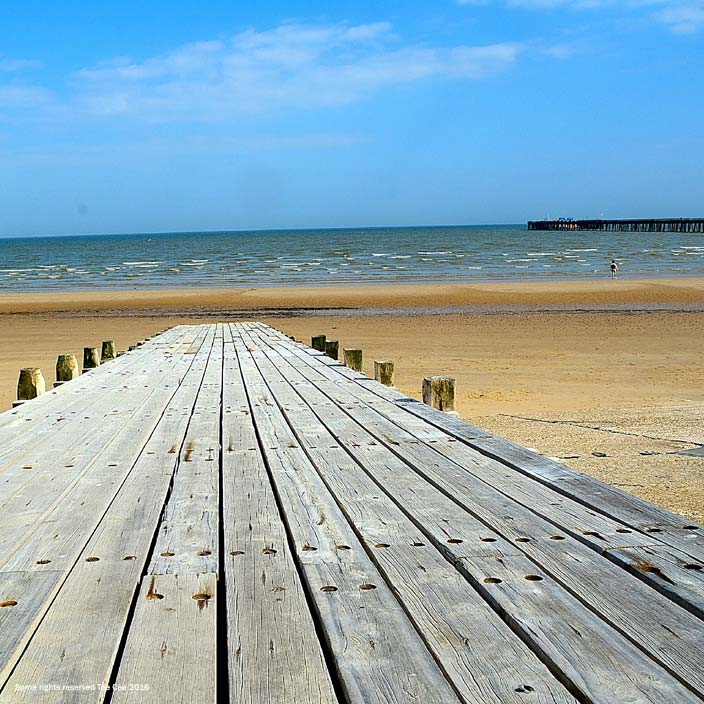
point(685, 225)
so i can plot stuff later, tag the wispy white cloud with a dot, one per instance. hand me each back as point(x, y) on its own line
point(684, 18)
point(292, 66)
point(680, 16)
point(15, 91)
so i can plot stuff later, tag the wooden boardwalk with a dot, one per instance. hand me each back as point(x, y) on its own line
point(224, 514)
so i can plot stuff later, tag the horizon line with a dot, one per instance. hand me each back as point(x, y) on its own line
point(260, 230)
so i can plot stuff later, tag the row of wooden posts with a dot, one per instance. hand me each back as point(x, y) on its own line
point(438, 391)
point(32, 383)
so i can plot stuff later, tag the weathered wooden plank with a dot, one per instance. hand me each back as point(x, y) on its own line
point(377, 652)
point(670, 571)
point(484, 659)
point(79, 433)
point(544, 610)
point(78, 638)
point(29, 508)
point(620, 599)
point(662, 525)
point(432, 571)
point(594, 493)
point(598, 657)
point(600, 532)
point(171, 649)
point(188, 534)
point(680, 578)
point(42, 407)
point(27, 426)
point(24, 594)
point(273, 652)
point(76, 642)
point(34, 524)
point(57, 542)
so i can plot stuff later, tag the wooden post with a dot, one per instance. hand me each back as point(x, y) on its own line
point(353, 359)
point(91, 360)
point(439, 392)
point(66, 369)
point(317, 342)
point(107, 351)
point(30, 384)
point(332, 349)
point(384, 372)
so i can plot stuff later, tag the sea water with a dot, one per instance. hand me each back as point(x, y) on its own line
point(339, 256)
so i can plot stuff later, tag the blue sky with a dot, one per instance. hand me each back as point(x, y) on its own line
point(185, 115)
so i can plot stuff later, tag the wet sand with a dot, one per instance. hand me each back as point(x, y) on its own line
point(628, 384)
point(684, 293)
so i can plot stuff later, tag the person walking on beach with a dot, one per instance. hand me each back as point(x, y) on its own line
point(614, 269)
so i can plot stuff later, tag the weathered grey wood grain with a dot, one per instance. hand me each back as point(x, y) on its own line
point(26, 432)
point(29, 424)
point(622, 600)
point(483, 658)
point(546, 612)
point(52, 478)
point(40, 567)
point(56, 545)
point(663, 526)
point(188, 534)
point(377, 652)
point(78, 638)
point(40, 516)
point(596, 660)
point(595, 529)
point(669, 570)
point(680, 577)
point(433, 570)
point(171, 649)
point(626, 603)
point(273, 653)
point(24, 594)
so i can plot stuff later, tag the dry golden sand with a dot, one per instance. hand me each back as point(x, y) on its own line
point(628, 385)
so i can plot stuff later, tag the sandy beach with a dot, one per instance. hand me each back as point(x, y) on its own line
point(674, 293)
point(608, 376)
